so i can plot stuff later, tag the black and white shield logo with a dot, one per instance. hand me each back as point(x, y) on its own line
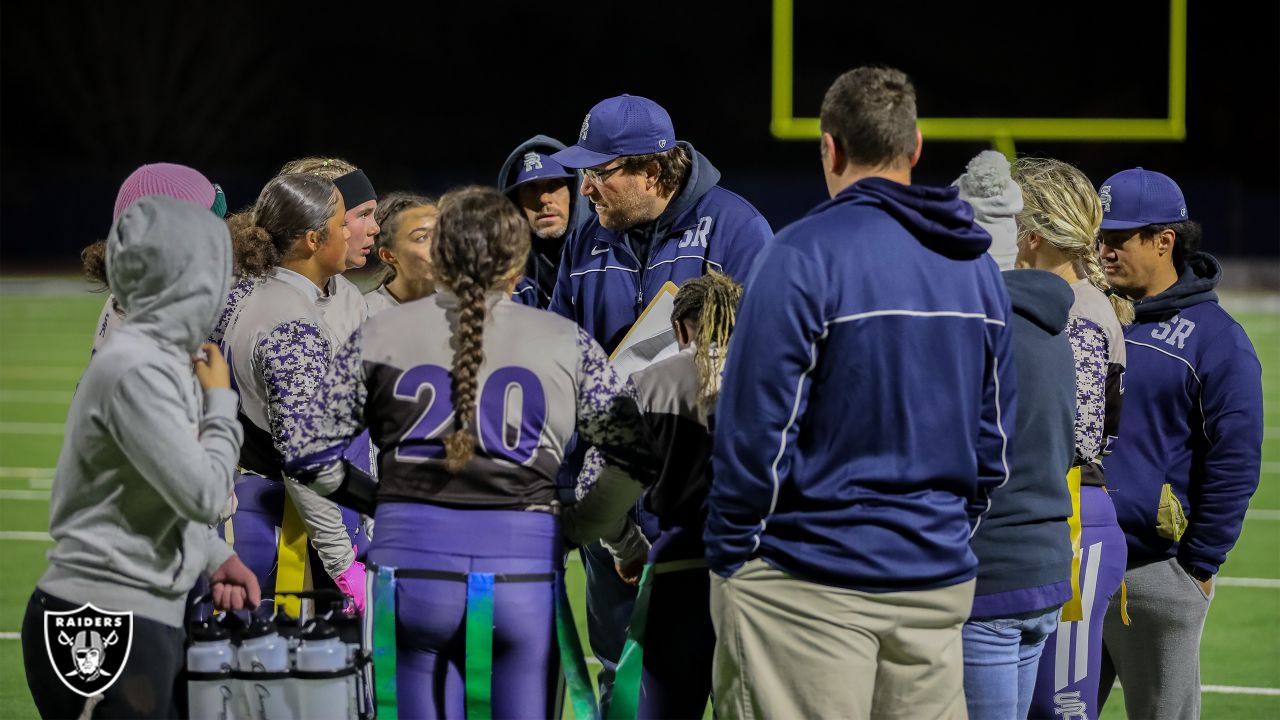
point(88, 647)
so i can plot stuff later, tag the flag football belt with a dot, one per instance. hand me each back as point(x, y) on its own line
point(478, 677)
point(624, 702)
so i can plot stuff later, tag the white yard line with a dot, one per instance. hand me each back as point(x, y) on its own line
point(1262, 515)
point(1247, 582)
point(30, 428)
point(25, 472)
point(1233, 690)
point(25, 536)
point(10, 636)
point(24, 495)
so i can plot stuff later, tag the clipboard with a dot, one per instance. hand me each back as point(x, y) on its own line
point(650, 338)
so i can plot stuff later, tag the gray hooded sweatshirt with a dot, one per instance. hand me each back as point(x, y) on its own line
point(148, 460)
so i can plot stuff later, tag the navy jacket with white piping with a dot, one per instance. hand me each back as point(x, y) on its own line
point(1191, 419)
point(604, 283)
point(869, 395)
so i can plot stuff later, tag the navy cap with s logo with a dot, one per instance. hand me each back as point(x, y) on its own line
point(533, 166)
point(623, 125)
point(1137, 198)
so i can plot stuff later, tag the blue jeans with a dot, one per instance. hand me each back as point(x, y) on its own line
point(1000, 662)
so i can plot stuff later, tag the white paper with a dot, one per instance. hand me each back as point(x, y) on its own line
point(651, 339)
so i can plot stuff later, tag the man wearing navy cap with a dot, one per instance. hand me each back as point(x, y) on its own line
point(660, 216)
point(1190, 453)
point(547, 194)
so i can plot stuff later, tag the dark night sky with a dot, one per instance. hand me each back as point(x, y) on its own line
point(425, 96)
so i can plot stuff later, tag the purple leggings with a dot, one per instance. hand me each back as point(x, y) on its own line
point(431, 614)
point(257, 522)
point(1067, 680)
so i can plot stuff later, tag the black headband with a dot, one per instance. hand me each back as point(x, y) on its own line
point(355, 188)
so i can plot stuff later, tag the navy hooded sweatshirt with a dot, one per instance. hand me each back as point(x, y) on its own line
point(1192, 420)
point(1023, 545)
point(539, 281)
point(868, 401)
point(607, 278)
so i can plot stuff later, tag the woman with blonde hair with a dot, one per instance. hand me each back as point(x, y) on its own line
point(1057, 231)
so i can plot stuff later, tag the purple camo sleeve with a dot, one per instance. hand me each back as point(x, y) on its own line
point(293, 358)
point(607, 418)
point(1089, 347)
point(334, 415)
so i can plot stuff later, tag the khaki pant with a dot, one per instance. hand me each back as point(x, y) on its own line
point(788, 648)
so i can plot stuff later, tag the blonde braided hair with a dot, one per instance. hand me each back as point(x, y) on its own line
point(1060, 205)
point(710, 302)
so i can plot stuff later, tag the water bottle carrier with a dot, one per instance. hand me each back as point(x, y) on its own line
point(252, 683)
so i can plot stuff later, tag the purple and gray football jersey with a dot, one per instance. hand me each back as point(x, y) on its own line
point(542, 376)
point(1097, 342)
point(343, 309)
point(378, 300)
point(279, 344)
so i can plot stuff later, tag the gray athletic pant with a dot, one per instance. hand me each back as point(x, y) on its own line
point(1156, 656)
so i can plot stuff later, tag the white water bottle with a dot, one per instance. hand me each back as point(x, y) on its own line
point(263, 660)
point(325, 679)
point(211, 691)
point(351, 631)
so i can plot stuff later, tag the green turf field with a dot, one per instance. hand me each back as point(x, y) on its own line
point(44, 345)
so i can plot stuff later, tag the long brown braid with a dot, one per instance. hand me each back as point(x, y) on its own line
point(711, 303)
point(482, 242)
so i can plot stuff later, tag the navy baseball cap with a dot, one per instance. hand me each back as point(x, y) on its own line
point(538, 166)
point(623, 125)
point(1138, 198)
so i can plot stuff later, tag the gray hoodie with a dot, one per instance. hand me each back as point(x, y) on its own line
point(147, 463)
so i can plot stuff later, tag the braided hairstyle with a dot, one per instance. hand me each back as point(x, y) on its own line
point(387, 216)
point(481, 244)
point(327, 168)
point(710, 303)
point(1060, 205)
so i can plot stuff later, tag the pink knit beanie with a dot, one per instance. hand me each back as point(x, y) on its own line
point(175, 181)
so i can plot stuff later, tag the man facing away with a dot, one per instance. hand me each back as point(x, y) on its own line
point(864, 418)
